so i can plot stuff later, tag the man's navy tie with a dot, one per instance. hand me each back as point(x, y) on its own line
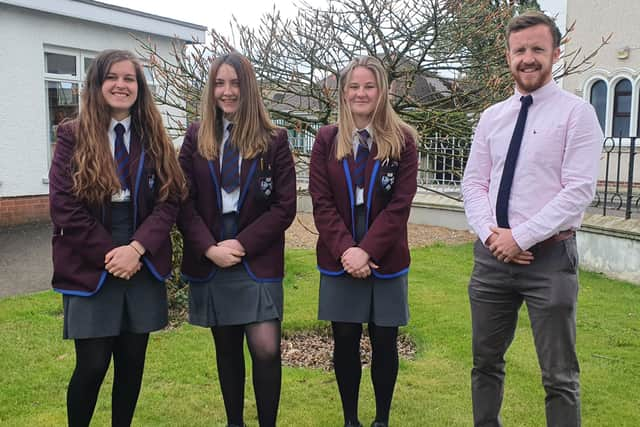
point(361, 158)
point(504, 191)
point(230, 172)
point(121, 157)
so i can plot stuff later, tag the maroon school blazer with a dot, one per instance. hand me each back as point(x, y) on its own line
point(82, 233)
point(262, 218)
point(389, 190)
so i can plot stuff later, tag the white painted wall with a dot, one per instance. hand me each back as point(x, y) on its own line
point(596, 19)
point(610, 245)
point(24, 144)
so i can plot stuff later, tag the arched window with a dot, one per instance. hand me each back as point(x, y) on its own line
point(622, 108)
point(599, 101)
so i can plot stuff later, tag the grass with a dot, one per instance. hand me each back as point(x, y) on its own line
point(181, 389)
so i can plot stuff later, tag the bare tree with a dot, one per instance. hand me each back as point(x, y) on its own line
point(444, 60)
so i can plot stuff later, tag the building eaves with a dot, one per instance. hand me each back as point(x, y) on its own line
point(130, 19)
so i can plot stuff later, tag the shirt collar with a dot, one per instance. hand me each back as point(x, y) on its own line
point(356, 135)
point(539, 95)
point(125, 122)
point(225, 124)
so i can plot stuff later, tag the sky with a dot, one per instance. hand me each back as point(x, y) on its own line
point(210, 14)
point(248, 12)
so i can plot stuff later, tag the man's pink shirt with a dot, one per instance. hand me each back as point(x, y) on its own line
point(556, 172)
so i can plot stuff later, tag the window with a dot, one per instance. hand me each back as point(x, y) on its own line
point(150, 77)
point(62, 102)
point(599, 101)
point(60, 64)
point(622, 108)
point(87, 63)
point(64, 71)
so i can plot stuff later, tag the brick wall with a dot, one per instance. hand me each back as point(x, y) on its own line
point(23, 210)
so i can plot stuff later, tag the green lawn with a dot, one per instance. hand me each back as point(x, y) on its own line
point(180, 386)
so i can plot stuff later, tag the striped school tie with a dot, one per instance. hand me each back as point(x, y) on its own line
point(230, 171)
point(121, 157)
point(361, 158)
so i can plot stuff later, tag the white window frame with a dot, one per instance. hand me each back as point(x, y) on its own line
point(78, 79)
point(611, 79)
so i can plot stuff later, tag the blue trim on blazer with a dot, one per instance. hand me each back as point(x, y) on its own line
point(148, 263)
point(245, 190)
point(390, 275)
point(154, 272)
point(243, 195)
point(245, 264)
point(136, 189)
point(103, 276)
point(330, 273)
point(376, 274)
point(372, 183)
point(256, 278)
point(347, 175)
point(193, 280)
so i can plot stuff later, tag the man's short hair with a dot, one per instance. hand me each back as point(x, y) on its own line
point(530, 19)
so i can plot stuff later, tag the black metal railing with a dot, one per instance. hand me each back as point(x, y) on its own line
point(618, 190)
point(442, 161)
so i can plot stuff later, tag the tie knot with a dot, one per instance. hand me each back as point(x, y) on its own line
point(229, 127)
point(119, 129)
point(364, 135)
point(526, 100)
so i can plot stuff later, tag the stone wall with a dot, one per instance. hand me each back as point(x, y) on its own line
point(611, 246)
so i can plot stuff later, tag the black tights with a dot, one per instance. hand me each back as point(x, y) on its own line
point(263, 340)
point(93, 356)
point(384, 366)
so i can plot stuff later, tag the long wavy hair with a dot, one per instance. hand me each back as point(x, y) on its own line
point(387, 128)
point(94, 171)
point(252, 130)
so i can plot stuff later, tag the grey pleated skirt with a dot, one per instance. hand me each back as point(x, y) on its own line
point(344, 298)
point(137, 305)
point(380, 301)
point(232, 297)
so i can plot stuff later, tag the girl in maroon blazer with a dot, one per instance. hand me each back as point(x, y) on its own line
point(115, 184)
point(362, 181)
point(242, 198)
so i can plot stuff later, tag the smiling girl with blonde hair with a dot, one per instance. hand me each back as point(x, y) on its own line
point(362, 181)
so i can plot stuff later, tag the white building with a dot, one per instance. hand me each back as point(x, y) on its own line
point(45, 49)
point(613, 84)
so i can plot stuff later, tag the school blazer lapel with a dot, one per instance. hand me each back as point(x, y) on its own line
point(368, 170)
point(135, 152)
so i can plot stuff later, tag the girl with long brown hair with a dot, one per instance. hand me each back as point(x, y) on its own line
point(242, 198)
point(115, 187)
point(362, 181)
